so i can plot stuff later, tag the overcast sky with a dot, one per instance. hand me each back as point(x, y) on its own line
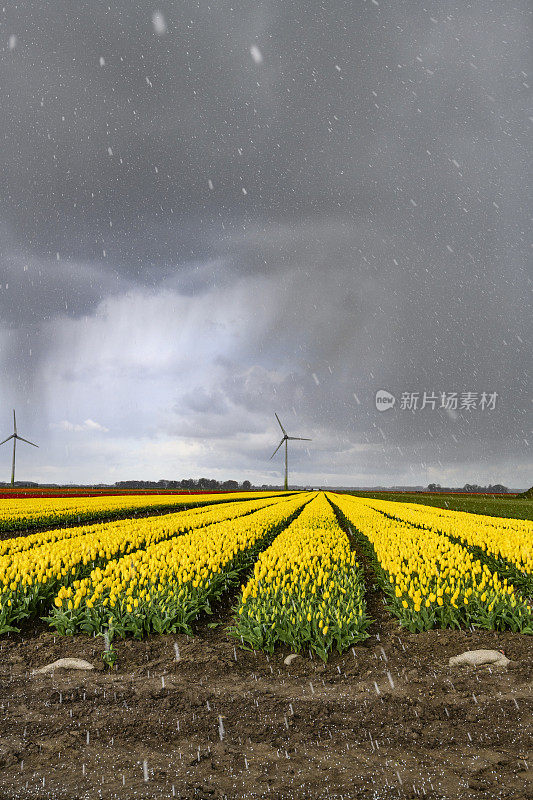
point(213, 211)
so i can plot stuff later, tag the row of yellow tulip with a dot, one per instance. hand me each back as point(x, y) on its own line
point(430, 580)
point(509, 541)
point(30, 578)
point(39, 512)
point(307, 589)
point(164, 587)
point(17, 544)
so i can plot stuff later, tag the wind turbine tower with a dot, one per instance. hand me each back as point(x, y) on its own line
point(15, 436)
point(287, 438)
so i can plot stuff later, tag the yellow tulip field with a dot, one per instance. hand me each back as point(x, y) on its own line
point(164, 586)
point(307, 588)
point(39, 512)
point(30, 578)
point(505, 543)
point(304, 562)
point(430, 578)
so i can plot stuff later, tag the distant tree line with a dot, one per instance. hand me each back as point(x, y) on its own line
point(205, 484)
point(202, 484)
point(496, 488)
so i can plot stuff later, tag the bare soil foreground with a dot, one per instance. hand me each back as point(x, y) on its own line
point(389, 719)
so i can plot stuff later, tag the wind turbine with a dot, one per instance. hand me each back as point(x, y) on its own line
point(15, 436)
point(285, 439)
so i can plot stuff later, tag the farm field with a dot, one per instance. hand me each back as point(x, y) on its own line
point(493, 505)
point(196, 610)
point(23, 514)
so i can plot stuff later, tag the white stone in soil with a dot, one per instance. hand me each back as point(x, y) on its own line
point(64, 663)
point(290, 658)
point(475, 658)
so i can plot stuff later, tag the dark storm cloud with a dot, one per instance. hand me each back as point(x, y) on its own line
point(354, 192)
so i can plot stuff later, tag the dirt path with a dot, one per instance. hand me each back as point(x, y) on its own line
point(389, 719)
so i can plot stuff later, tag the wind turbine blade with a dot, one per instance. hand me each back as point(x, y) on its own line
point(14, 423)
point(300, 438)
point(277, 448)
point(8, 438)
point(280, 425)
point(25, 440)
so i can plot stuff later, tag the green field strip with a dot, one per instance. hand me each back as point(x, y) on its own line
point(489, 505)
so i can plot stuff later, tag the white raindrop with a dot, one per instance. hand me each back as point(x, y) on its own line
point(159, 23)
point(256, 54)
